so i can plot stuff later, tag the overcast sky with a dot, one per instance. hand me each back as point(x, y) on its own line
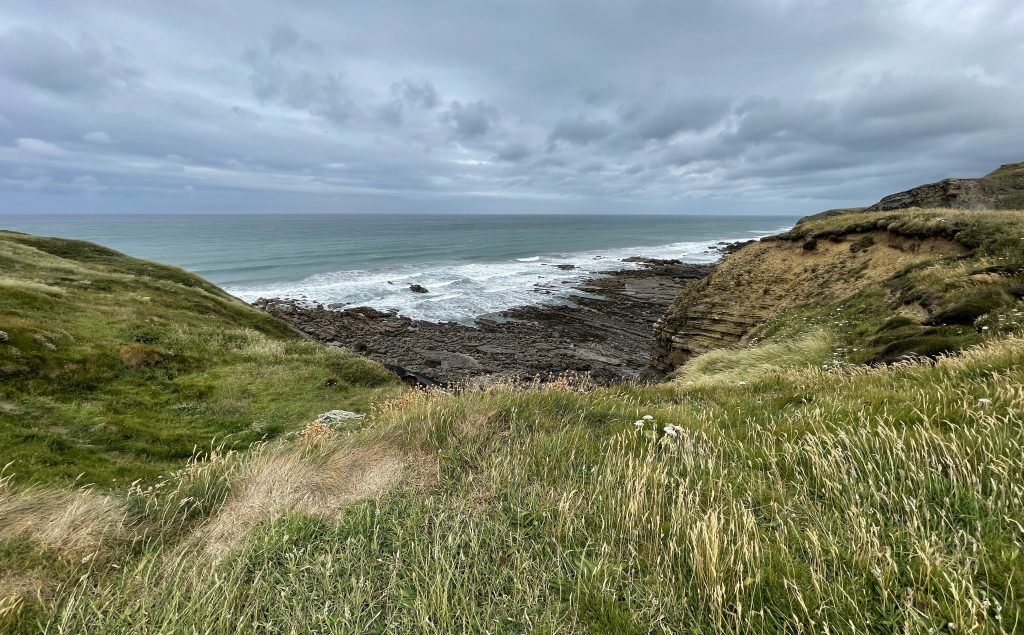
point(565, 106)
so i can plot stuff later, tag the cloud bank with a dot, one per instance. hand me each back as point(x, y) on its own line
point(457, 106)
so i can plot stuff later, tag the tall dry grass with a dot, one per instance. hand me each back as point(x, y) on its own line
point(798, 499)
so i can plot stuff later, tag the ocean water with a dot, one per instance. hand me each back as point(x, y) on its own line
point(472, 265)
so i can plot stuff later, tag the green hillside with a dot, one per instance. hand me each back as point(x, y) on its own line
point(116, 369)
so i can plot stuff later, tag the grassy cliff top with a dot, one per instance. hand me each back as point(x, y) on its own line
point(116, 369)
point(994, 232)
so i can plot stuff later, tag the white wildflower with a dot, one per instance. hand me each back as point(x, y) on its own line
point(984, 401)
point(671, 431)
point(639, 423)
point(648, 417)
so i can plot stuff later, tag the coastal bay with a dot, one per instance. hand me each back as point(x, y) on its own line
point(604, 329)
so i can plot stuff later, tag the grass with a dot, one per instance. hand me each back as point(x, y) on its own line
point(886, 499)
point(118, 369)
point(998, 233)
point(784, 487)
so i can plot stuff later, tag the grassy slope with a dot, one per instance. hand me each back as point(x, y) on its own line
point(872, 500)
point(799, 490)
point(118, 368)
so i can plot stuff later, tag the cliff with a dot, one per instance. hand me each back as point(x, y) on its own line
point(1001, 189)
point(933, 270)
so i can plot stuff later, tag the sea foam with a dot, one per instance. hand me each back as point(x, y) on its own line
point(464, 291)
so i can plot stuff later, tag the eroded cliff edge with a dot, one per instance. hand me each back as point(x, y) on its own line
point(752, 285)
point(928, 279)
point(935, 259)
point(1002, 188)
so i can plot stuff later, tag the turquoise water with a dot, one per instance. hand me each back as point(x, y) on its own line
point(472, 265)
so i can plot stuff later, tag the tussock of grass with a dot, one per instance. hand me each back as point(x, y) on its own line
point(752, 363)
point(848, 499)
point(74, 523)
point(316, 480)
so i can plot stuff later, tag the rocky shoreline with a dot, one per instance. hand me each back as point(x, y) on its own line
point(605, 331)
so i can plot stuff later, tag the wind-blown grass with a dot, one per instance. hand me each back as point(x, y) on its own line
point(846, 500)
point(779, 487)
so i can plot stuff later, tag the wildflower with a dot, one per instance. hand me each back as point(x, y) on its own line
point(984, 401)
point(639, 423)
point(671, 431)
point(648, 417)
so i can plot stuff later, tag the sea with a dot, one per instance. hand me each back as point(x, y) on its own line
point(472, 265)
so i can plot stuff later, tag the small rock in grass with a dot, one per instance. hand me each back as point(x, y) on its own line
point(336, 416)
point(4, 337)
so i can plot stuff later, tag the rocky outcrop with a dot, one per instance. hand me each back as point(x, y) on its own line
point(605, 332)
point(763, 278)
point(1001, 189)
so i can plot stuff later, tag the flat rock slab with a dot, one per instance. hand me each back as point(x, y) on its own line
point(606, 332)
point(337, 416)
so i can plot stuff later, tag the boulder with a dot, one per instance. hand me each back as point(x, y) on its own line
point(418, 288)
point(4, 337)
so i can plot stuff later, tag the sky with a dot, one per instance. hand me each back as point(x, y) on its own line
point(652, 106)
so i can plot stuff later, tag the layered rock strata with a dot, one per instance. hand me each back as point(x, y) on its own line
point(604, 331)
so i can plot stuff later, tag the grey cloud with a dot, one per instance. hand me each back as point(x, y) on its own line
point(97, 136)
point(694, 114)
point(391, 113)
point(419, 93)
point(279, 76)
point(513, 152)
point(245, 113)
point(596, 96)
point(472, 120)
point(284, 37)
point(550, 162)
point(580, 131)
point(39, 58)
